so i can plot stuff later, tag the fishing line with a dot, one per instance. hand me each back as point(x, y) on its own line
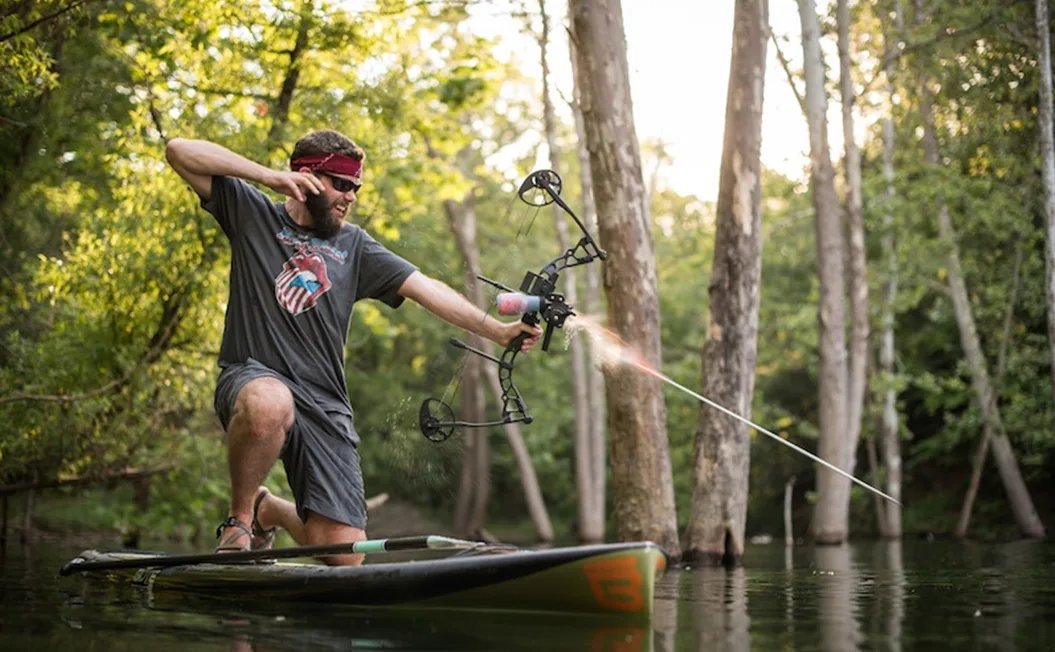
point(624, 354)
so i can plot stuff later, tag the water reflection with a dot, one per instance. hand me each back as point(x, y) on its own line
point(889, 611)
point(665, 617)
point(719, 609)
point(824, 598)
point(837, 587)
point(702, 609)
point(873, 596)
point(248, 626)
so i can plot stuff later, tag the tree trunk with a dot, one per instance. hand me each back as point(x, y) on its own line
point(280, 110)
point(855, 229)
point(480, 463)
point(587, 516)
point(877, 500)
point(593, 528)
point(1047, 160)
point(462, 218)
point(642, 486)
point(789, 526)
point(723, 447)
point(831, 515)
point(1003, 455)
point(474, 487)
point(464, 499)
point(982, 452)
point(27, 516)
point(889, 429)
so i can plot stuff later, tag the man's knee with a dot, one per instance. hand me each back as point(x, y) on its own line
point(264, 407)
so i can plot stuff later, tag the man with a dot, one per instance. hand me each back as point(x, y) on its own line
point(297, 268)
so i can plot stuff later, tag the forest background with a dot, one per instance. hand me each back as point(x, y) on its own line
point(114, 280)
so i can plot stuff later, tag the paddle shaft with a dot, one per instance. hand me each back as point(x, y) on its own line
point(369, 546)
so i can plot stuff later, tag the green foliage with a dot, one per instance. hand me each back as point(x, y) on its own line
point(114, 280)
point(978, 61)
point(117, 279)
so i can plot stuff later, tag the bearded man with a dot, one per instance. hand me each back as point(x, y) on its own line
point(297, 269)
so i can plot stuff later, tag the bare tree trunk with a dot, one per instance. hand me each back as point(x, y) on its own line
point(466, 488)
point(789, 527)
point(462, 218)
point(982, 452)
point(860, 328)
point(587, 517)
point(474, 488)
point(481, 465)
point(889, 514)
point(27, 516)
point(723, 448)
point(873, 468)
point(831, 515)
point(642, 486)
point(1017, 493)
point(1047, 162)
point(536, 504)
point(591, 529)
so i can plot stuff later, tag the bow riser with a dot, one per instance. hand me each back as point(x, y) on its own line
point(551, 309)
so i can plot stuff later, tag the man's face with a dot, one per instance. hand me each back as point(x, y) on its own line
point(329, 207)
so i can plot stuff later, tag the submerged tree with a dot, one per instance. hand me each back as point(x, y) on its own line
point(642, 487)
point(722, 449)
point(831, 515)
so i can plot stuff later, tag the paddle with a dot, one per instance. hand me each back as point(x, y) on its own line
point(370, 546)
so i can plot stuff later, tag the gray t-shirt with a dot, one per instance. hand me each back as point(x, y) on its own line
point(291, 294)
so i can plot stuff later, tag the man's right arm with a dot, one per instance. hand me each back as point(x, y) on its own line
point(197, 161)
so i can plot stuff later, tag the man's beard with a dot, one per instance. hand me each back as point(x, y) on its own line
point(323, 223)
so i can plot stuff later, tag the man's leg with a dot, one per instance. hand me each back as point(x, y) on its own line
point(263, 414)
point(319, 530)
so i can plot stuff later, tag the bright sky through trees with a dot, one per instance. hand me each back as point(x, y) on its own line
point(679, 54)
point(679, 60)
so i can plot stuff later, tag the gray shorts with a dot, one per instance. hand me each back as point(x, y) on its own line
point(320, 453)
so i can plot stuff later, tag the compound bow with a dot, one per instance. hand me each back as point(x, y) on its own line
point(538, 290)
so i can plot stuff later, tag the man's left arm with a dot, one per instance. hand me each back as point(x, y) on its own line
point(441, 300)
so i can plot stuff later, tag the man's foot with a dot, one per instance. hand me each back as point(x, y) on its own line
point(233, 536)
point(262, 539)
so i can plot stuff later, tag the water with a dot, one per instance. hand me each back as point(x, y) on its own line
point(874, 596)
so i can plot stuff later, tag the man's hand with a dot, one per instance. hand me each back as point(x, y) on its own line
point(293, 184)
point(510, 331)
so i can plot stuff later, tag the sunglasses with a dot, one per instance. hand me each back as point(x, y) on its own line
point(340, 184)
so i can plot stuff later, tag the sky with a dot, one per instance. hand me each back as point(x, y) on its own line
point(678, 52)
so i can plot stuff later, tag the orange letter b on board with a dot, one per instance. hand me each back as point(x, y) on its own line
point(616, 584)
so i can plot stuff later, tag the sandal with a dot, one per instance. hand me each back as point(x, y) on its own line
point(228, 543)
point(262, 539)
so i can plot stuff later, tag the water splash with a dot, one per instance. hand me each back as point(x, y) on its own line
point(612, 350)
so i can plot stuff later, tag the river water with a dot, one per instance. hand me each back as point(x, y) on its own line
point(916, 595)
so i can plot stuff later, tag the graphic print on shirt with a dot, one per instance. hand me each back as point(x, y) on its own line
point(302, 281)
point(304, 277)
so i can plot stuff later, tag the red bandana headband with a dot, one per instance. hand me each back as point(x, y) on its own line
point(335, 163)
